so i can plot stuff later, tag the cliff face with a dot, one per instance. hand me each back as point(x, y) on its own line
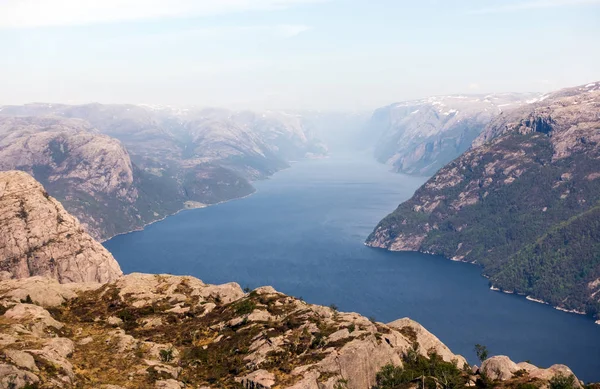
point(162, 331)
point(524, 203)
point(119, 167)
point(40, 238)
point(91, 173)
point(419, 137)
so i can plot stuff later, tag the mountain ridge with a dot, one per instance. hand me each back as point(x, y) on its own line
point(162, 161)
point(531, 170)
point(420, 136)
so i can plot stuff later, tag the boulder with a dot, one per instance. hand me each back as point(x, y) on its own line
point(551, 372)
point(427, 341)
point(33, 316)
point(498, 368)
point(168, 384)
point(21, 359)
point(44, 291)
point(260, 379)
point(12, 377)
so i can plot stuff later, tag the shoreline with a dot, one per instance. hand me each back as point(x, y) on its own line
point(527, 297)
point(175, 213)
point(496, 289)
point(217, 203)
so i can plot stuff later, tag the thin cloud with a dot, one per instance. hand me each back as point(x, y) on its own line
point(281, 31)
point(530, 5)
point(44, 13)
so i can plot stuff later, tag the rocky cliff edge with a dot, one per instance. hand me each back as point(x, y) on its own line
point(39, 238)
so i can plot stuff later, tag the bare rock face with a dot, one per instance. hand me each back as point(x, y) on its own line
point(426, 340)
point(522, 203)
point(39, 238)
point(501, 368)
point(74, 162)
point(419, 137)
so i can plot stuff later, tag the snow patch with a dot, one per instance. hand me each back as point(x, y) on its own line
point(450, 112)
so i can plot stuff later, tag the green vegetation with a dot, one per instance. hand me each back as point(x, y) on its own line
point(424, 373)
point(245, 307)
point(23, 214)
point(561, 381)
point(481, 351)
point(166, 355)
point(538, 235)
point(211, 347)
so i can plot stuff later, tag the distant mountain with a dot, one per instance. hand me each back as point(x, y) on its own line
point(524, 203)
point(419, 137)
point(119, 167)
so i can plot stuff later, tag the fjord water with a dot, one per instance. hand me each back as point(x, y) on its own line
point(303, 233)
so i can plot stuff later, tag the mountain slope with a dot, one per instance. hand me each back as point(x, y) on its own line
point(419, 137)
point(40, 238)
point(120, 167)
point(523, 203)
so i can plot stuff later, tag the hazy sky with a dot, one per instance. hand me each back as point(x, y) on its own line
point(300, 54)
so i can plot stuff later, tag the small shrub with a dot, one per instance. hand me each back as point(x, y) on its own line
point(318, 341)
point(334, 307)
point(27, 300)
point(23, 214)
point(166, 355)
point(520, 373)
point(351, 328)
point(561, 381)
point(245, 307)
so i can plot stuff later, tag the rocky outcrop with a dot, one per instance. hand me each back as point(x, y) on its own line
point(164, 331)
point(501, 368)
point(419, 137)
point(120, 167)
point(39, 238)
point(426, 340)
point(523, 203)
point(145, 330)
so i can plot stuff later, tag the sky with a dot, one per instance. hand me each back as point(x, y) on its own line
point(291, 54)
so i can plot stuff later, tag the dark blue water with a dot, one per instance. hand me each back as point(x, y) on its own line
point(303, 233)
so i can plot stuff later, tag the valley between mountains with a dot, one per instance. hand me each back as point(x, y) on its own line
point(515, 189)
point(70, 319)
